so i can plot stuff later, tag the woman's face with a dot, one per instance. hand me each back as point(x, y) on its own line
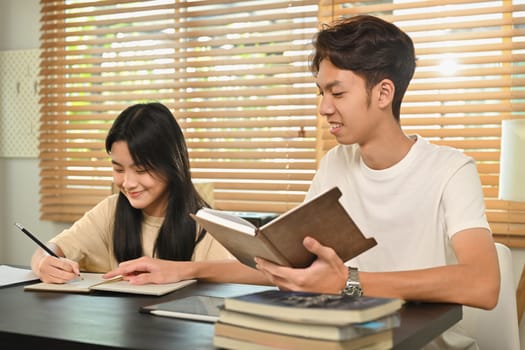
point(144, 190)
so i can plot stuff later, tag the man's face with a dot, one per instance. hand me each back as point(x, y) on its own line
point(345, 103)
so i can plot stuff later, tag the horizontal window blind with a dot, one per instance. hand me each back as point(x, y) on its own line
point(98, 57)
point(470, 76)
point(248, 100)
point(234, 73)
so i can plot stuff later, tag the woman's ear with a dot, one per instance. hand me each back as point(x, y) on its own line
point(386, 93)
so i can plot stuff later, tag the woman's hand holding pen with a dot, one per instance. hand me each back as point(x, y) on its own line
point(48, 262)
point(51, 269)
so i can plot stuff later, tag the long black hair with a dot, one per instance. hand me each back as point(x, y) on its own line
point(156, 143)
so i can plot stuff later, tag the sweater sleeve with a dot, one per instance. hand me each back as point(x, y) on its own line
point(88, 241)
point(210, 249)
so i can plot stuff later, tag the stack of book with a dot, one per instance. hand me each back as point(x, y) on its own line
point(277, 319)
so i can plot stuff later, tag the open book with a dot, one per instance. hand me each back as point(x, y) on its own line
point(280, 240)
point(95, 282)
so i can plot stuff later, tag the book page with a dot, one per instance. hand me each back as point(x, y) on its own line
point(148, 289)
point(226, 219)
point(78, 285)
point(13, 275)
point(244, 246)
point(94, 281)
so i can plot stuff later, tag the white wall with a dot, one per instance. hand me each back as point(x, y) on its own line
point(19, 30)
point(19, 24)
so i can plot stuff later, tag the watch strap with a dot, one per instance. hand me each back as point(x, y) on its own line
point(353, 285)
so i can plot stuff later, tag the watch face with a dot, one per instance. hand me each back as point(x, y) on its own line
point(353, 290)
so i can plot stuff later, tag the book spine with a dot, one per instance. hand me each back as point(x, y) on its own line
point(282, 260)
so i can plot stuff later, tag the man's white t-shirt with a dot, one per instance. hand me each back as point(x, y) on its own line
point(412, 209)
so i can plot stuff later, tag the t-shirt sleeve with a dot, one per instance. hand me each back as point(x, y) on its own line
point(88, 240)
point(463, 201)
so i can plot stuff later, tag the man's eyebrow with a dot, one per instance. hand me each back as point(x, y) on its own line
point(330, 85)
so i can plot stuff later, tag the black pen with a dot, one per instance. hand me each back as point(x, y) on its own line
point(42, 245)
point(37, 241)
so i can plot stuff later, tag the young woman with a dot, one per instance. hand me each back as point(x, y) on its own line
point(149, 216)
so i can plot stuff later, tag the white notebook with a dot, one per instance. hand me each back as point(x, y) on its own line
point(95, 282)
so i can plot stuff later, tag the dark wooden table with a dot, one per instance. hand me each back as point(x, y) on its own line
point(102, 320)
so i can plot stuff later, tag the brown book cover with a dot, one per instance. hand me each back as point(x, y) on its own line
point(237, 337)
point(280, 240)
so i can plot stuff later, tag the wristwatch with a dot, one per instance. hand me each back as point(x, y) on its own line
point(353, 286)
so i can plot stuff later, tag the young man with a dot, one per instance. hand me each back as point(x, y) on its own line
point(422, 203)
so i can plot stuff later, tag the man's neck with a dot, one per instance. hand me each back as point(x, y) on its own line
point(387, 150)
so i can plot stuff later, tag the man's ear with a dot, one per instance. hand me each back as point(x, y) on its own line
point(386, 90)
